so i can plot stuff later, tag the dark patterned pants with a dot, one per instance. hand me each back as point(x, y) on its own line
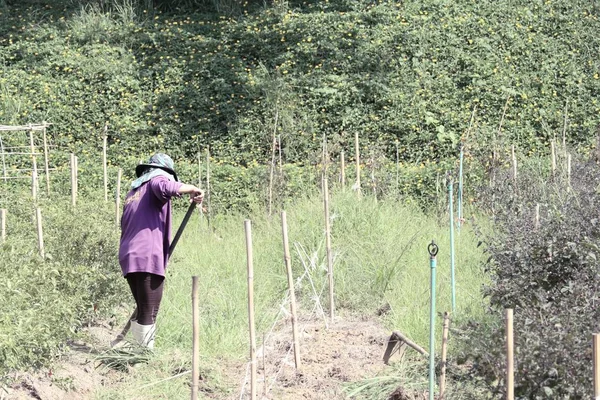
point(147, 290)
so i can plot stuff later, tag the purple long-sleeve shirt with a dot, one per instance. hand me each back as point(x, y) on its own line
point(146, 227)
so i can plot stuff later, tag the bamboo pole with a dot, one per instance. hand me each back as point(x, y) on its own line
point(208, 186)
point(568, 171)
point(565, 124)
point(248, 229)
point(397, 170)
point(46, 156)
point(596, 364)
point(537, 216)
point(196, 339)
point(118, 198)
point(3, 224)
point(272, 167)
point(73, 188)
point(357, 156)
point(4, 161)
point(288, 268)
point(40, 234)
point(328, 248)
point(444, 354)
point(343, 169)
point(280, 156)
point(34, 177)
point(76, 176)
point(514, 162)
point(553, 157)
point(104, 162)
point(510, 366)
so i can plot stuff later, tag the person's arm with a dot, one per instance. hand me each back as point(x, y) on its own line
point(196, 195)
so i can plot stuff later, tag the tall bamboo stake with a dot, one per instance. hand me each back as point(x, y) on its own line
point(73, 188)
point(397, 170)
point(208, 213)
point(196, 339)
point(248, 229)
point(343, 169)
point(46, 167)
point(280, 156)
point(565, 124)
point(452, 265)
point(104, 162)
point(272, 166)
point(514, 162)
point(444, 354)
point(510, 366)
point(3, 224)
point(288, 269)
point(596, 364)
point(76, 176)
point(118, 198)
point(553, 157)
point(537, 216)
point(34, 177)
point(357, 156)
point(4, 161)
point(38, 214)
point(568, 171)
point(328, 248)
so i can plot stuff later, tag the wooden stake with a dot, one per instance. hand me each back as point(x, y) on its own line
point(196, 339)
point(568, 171)
point(280, 156)
point(3, 224)
point(207, 197)
point(46, 167)
point(104, 162)
point(514, 162)
point(397, 170)
point(537, 216)
point(118, 198)
point(565, 124)
point(248, 229)
point(510, 366)
point(596, 364)
point(328, 248)
point(444, 353)
point(4, 161)
point(38, 214)
point(343, 169)
point(553, 157)
point(34, 177)
point(73, 188)
point(288, 268)
point(76, 176)
point(272, 167)
point(357, 156)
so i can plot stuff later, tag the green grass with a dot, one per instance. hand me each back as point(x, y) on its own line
point(380, 257)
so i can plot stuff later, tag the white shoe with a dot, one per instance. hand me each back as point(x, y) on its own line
point(143, 334)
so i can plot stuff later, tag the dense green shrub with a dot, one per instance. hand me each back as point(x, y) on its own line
point(46, 301)
point(549, 274)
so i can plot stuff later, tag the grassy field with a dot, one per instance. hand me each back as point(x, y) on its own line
point(381, 263)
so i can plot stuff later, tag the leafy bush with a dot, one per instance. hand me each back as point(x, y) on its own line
point(46, 301)
point(549, 274)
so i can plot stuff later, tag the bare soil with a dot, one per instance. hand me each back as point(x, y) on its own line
point(344, 352)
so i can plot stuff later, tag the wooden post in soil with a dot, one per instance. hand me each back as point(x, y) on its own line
point(553, 157)
point(118, 198)
point(510, 362)
point(34, 173)
point(568, 172)
point(596, 364)
point(248, 229)
point(73, 178)
point(46, 167)
point(444, 354)
point(40, 233)
point(196, 339)
point(537, 217)
point(288, 268)
point(343, 169)
point(3, 224)
point(104, 162)
point(357, 156)
point(328, 248)
point(514, 163)
point(207, 196)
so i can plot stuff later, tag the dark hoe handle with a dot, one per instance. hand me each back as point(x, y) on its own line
point(188, 214)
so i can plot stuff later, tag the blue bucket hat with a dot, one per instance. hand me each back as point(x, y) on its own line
point(159, 164)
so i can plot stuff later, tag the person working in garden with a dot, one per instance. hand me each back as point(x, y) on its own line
point(145, 238)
